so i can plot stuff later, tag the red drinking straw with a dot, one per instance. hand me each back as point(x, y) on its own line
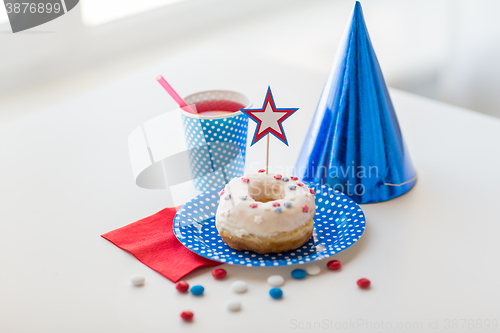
point(178, 99)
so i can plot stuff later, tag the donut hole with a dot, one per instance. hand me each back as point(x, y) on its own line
point(265, 192)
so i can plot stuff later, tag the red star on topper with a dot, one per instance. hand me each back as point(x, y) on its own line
point(269, 119)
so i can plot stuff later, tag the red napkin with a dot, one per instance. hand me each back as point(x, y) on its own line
point(152, 241)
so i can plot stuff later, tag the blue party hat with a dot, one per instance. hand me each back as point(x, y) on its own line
point(354, 143)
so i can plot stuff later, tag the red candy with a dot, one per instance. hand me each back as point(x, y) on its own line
point(334, 265)
point(253, 205)
point(221, 192)
point(245, 180)
point(262, 170)
point(363, 283)
point(276, 204)
point(219, 273)
point(182, 286)
point(187, 315)
point(305, 209)
point(300, 184)
point(311, 191)
point(294, 178)
point(277, 177)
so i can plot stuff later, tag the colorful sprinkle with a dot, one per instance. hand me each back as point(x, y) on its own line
point(243, 197)
point(278, 176)
point(187, 315)
point(219, 273)
point(258, 219)
point(197, 290)
point(239, 286)
point(276, 280)
point(182, 286)
point(305, 209)
point(278, 210)
point(233, 305)
point(221, 192)
point(276, 204)
point(294, 178)
point(292, 187)
point(313, 270)
point(137, 280)
point(299, 273)
point(363, 283)
point(287, 204)
point(253, 205)
point(262, 170)
point(276, 293)
point(245, 180)
point(334, 265)
point(311, 191)
point(300, 184)
point(227, 196)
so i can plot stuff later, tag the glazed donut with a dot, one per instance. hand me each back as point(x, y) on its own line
point(265, 213)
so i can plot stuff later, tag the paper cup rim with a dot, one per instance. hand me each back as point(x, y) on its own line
point(233, 114)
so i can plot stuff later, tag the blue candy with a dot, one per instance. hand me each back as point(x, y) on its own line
point(299, 274)
point(285, 179)
point(292, 187)
point(197, 290)
point(287, 204)
point(278, 210)
point(243, 197)
point(276, 293)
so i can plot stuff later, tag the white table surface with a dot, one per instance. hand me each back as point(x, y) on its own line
point(432, 255)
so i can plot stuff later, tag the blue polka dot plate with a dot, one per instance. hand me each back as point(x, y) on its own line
point(339, 223)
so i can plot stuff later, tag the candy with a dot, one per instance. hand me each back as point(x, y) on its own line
point(305, 209)
point(313, 270)
point(278, 210)
point(277, 177)
point(292, 187)
point(285, 179)
point(245, 180)
point(227, 196)
point(137, 280)
point(276, 280)
point(299, 273)
point(334, 265)
point(287, 204)
point(262, 170)
point(197, 290)
point(300, 184)
point(219, 273)
point(276, 204)
point(294, 178)
point(243, 197)
point(253, 205)
point(233, 305)
point(221, 192)
point(187, 315)
point(363, 283)
point(311, 191)
point(276, 293)
point(239, 286)
point(258, 219)
point(182, 286)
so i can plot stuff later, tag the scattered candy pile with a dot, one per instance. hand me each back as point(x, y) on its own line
point(239, 286)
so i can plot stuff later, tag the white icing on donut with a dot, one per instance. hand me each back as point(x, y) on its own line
point(237, 216)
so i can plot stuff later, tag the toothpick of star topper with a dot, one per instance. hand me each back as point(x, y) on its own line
point(269, 120)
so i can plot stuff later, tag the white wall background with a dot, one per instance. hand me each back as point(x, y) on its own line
point(442, 49)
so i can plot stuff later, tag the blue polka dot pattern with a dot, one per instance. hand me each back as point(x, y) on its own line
point(339, 223)
point(222, 142)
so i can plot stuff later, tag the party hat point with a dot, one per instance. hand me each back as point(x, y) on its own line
point(354, 143)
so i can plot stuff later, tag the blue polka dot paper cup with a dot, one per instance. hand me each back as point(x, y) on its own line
point(216, 139)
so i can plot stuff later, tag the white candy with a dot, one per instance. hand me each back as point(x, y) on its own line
point(313, 270)
point(239, 286)
point(233, 305)
point(137, 280)
point(275, 280)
